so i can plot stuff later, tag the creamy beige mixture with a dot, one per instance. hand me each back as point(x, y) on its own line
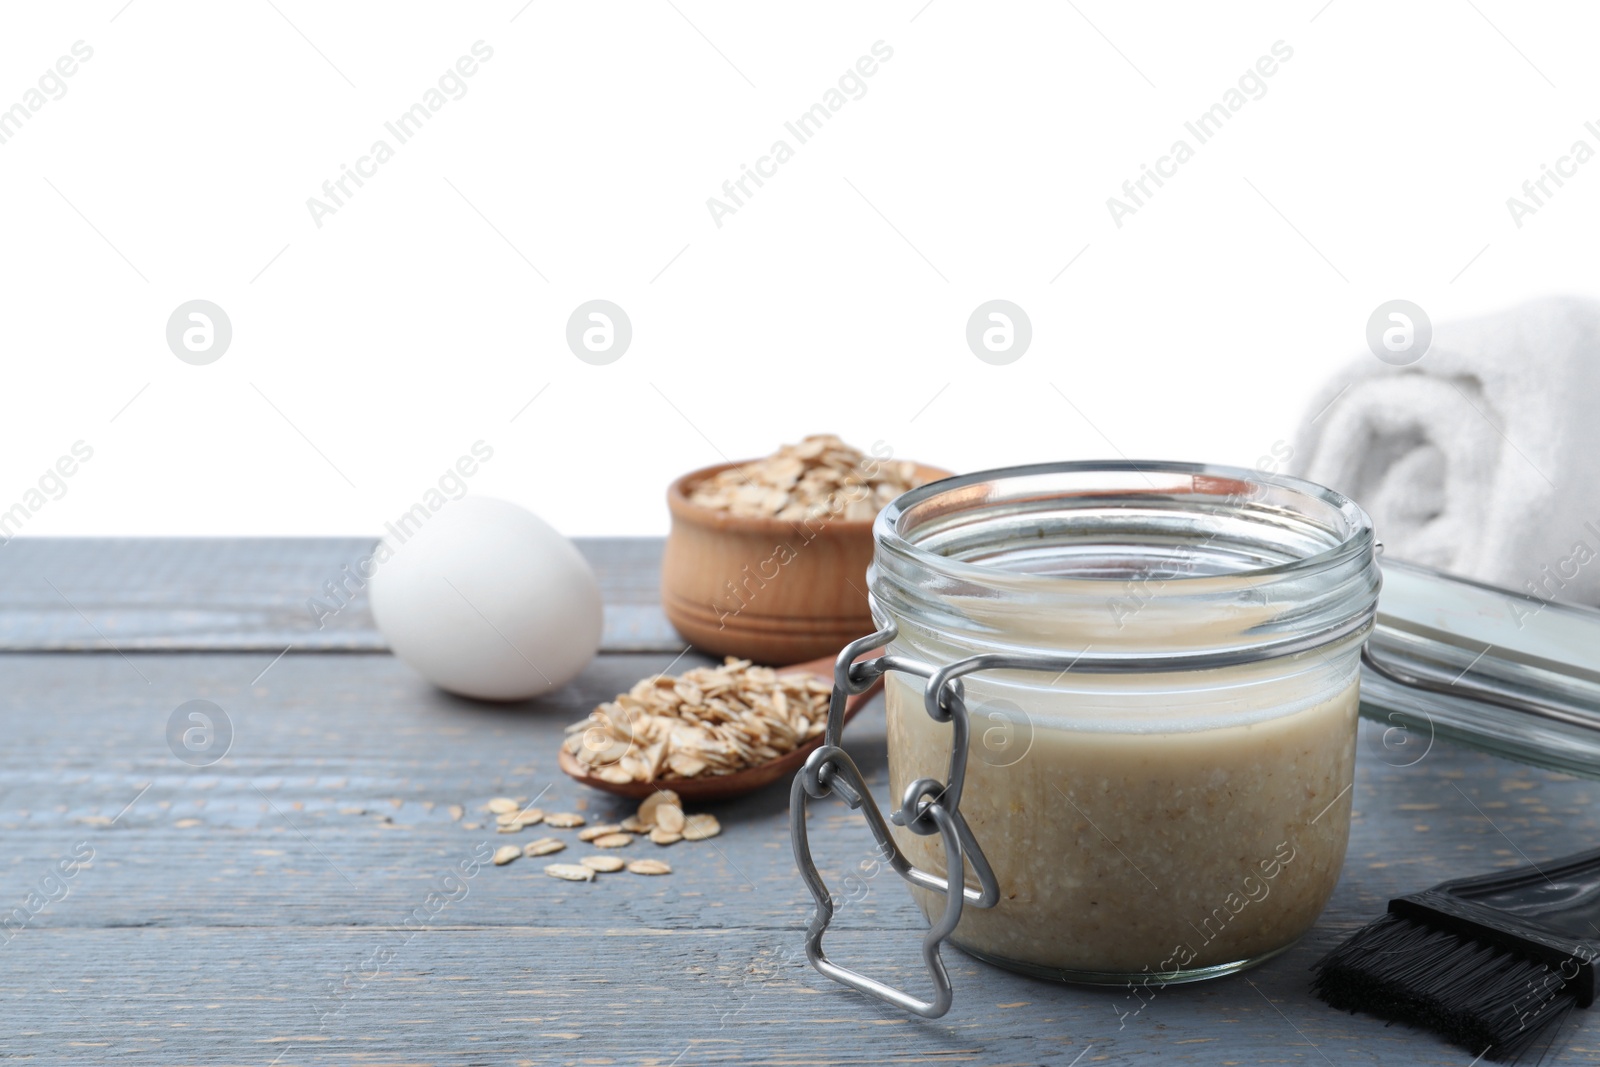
point(1151, 852)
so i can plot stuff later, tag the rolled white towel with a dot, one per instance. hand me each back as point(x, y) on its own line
point(1483, 458)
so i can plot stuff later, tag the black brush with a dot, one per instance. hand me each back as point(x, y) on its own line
point(1494, 963)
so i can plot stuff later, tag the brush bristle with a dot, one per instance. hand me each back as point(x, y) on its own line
point(1491, 1002)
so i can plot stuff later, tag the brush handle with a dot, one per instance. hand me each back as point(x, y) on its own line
point(1562, 895)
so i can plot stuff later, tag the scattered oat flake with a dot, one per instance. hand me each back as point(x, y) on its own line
point(502, 805)
point(700, 827)
point(604, 864)
point(564, 820)
point(505, 854)
point(647, 809)
point(571, 872)
point(665, 837)
point(649, 867)
point(669, 817)
point(612, 840)
point(456, 812)
point(634, 825)
point(543, 847)
point(184, 824)
point(592, 832)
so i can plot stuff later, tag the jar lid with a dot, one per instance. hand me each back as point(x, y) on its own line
point(1504, 672)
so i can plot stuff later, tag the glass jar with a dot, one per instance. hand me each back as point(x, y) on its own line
point(1157, 668)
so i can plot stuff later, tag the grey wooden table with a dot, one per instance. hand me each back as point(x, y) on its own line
point(302, 901)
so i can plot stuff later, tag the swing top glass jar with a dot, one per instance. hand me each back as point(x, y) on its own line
point(1162, 787)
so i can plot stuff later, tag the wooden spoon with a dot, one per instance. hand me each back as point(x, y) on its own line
point(738, 783)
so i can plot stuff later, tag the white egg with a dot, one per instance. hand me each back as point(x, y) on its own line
point(487, 600)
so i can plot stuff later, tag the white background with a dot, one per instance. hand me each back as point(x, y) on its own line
point(415, 321)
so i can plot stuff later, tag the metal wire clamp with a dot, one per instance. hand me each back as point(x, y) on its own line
point(927, 807)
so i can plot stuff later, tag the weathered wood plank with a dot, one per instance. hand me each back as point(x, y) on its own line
point(220, 912)
point(469, 994)
point(241, 594)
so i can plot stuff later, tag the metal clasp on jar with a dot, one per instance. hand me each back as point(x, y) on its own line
point(927, 807)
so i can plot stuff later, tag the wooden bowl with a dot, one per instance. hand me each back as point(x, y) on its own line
point(767, 590)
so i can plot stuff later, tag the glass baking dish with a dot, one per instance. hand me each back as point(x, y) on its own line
point(1501, 671)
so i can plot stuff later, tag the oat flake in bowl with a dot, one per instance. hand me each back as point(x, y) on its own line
point(820, 476)
point(710, 721)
